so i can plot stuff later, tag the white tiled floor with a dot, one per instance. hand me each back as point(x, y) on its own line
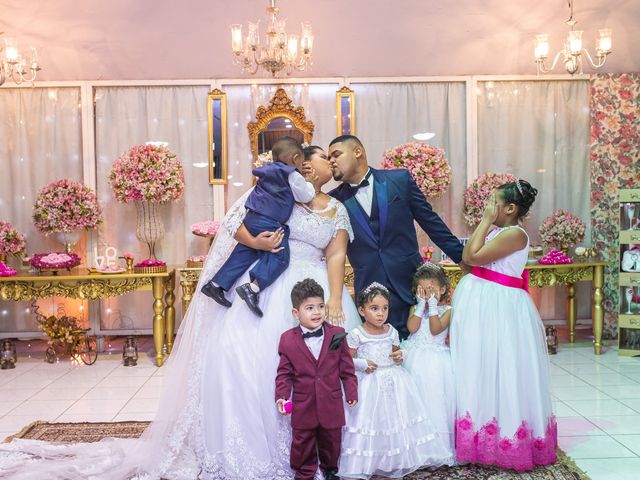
point(597, 401)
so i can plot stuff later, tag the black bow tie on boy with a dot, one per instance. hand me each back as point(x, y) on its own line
point(364, 183)
point(316, 333)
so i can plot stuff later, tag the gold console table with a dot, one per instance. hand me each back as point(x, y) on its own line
point(553, 275)
point(97, 286)
point(540, 276)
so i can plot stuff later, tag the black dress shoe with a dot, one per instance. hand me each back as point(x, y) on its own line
point(250, 298)
point(215, 292)
point(330, 475)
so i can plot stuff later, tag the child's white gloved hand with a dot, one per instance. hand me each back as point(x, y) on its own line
point(433, 306)
point(420, 307)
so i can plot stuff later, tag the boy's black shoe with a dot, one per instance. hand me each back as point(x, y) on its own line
point(330, 475)
point(250, 298)
point(215, 292)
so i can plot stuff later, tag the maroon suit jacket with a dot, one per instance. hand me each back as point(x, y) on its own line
point(317, 396)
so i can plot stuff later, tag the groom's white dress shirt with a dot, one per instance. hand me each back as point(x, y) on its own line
point(313, 343)
point(364, 195)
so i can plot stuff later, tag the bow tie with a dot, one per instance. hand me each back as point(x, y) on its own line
point(317, 333)
point(363, 183)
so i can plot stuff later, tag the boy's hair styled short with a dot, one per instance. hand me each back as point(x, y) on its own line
point(304, 289)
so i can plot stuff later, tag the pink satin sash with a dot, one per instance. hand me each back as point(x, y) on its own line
point(502, 279)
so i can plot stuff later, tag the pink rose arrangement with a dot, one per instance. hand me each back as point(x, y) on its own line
point(127, 256)
point(205, 229)
point(427, 253)
point(562, 230)
point(65, 206)
point(11, 241)
point(147, 173)
point(6, 270)
point(426, 164)
point(55, 260)
point(477, 194)
point(150, 262)
point(197, 258)
point(554, 257)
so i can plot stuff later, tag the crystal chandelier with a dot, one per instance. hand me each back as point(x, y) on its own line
point(281, 52)
point(572, 50)
point(14, 66)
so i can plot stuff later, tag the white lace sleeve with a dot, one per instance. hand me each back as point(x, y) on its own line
point(353, 338)
point(235, 215)
point(342, 221)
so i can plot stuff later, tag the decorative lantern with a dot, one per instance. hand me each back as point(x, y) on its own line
point(552, 339)
point(8, 355)
point(130, 352)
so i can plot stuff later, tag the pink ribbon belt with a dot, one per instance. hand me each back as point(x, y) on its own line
point(502, 279)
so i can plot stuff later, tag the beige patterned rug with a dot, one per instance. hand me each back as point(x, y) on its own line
point(564, 469)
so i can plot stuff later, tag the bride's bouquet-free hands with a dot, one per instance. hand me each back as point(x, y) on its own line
point(333, 311)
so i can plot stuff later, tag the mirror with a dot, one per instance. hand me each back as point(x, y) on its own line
point(279, 119)
point(345, 112)
point(217, 107)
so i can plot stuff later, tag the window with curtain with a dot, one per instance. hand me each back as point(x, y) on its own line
point(40, 142)
point(127, 116)
point(389, 114)
point(539, 131)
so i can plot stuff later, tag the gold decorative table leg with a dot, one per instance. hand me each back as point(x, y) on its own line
point(170, 310)
point(158, 319)
point(571, 311)
point(188, 289)
point(598, 310)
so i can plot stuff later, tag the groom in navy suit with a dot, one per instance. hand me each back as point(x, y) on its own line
point(382, 206)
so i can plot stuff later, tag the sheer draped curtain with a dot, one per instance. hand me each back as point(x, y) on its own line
point(539, 131)
point(389, 114)
point(40, 142)
point(127, 116)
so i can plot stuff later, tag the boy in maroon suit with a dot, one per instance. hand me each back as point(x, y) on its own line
point(314, 360)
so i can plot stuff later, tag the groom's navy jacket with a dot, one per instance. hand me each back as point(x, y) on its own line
point(385, 248)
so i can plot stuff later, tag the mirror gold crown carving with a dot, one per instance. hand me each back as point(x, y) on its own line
point(280, 106)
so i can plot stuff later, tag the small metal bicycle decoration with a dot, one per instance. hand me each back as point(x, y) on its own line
point(66, 337)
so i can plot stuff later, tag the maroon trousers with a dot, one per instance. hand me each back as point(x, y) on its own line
point(308, 445)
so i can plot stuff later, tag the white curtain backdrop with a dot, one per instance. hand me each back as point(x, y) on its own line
point(389, 114)
point(40, 142)
point(127, 116)
point(539, 131)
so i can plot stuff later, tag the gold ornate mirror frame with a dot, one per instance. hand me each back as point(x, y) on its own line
point(280, 106)
point(345, 112)
point(217, 108)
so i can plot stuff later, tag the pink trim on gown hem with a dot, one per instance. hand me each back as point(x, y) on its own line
point(522, 452)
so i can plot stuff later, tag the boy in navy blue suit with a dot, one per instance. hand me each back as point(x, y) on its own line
point(280, 184)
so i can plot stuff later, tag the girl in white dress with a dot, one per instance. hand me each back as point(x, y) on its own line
point(498, 348)
point(427, 356)
point(388, 432)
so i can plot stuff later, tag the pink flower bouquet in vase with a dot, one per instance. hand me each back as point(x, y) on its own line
point(561, 231)
point(12, 242)
point(65, 208)
point(149, 176)
point(427, 165)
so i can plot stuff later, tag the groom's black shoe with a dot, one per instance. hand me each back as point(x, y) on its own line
point(330, 475)
point(215, 292)
point(250, 297)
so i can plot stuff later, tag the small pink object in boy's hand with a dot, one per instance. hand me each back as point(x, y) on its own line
point(288, 406)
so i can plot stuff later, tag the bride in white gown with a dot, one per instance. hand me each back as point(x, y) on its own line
point(217, 417)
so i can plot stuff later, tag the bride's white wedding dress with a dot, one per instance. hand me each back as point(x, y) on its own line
point(217, 417)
